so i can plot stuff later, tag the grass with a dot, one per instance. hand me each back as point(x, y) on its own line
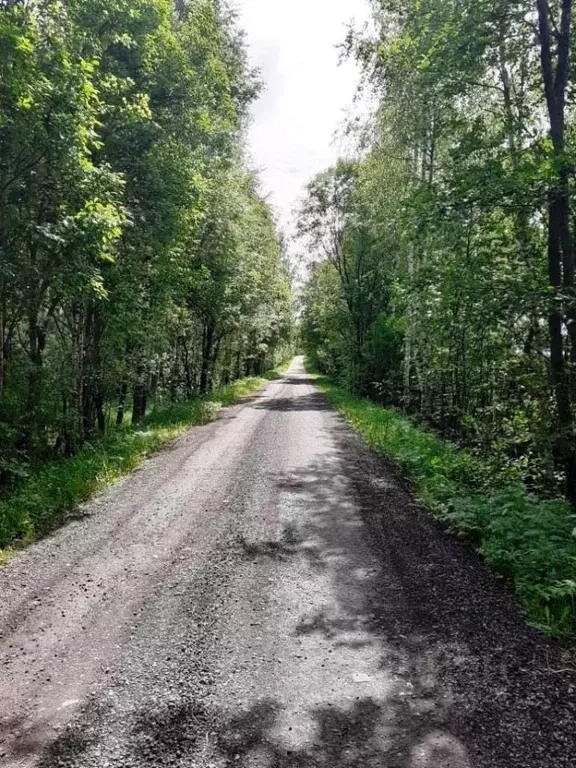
point(47, 496)
point(529, 541)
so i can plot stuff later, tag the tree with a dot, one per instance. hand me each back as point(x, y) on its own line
point(128, 273)
point(555, 63)
point(462, 205)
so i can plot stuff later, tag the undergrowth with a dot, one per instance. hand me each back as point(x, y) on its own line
point(48, 494)
point(530, 541)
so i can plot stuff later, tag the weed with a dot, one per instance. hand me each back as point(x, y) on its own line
point(46, 496)
point(530, 541)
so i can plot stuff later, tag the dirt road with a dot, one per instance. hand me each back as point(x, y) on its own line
point(265, 594)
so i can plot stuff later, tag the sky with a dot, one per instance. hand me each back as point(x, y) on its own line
point(307, 93)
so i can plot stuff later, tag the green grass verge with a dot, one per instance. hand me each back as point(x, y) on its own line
point(530, 541)
point(46, 497)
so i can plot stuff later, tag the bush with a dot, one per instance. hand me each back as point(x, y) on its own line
point(529, 541)
point(47, 494)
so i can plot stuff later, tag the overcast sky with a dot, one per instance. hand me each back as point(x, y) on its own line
point(307, 93)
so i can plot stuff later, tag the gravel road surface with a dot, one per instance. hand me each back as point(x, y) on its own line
point(265, 594)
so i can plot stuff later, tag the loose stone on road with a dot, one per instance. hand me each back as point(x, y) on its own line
point(265, 594)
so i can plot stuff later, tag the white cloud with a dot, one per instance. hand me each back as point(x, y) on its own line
point(294, 43)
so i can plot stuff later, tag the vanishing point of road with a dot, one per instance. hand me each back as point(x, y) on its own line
point(266, 594)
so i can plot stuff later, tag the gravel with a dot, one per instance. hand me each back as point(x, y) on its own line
point(266, 594)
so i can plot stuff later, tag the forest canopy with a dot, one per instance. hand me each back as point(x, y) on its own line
point(139, 260)
point(443, 256)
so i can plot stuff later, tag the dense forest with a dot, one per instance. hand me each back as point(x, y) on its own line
point(139, 261)
point(444, 258)
point(351, 538)
point(141, 268)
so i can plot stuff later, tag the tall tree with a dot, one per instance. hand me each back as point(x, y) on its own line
point(129, 271)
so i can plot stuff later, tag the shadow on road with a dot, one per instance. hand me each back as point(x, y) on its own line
point(312, 402)
point(190, 734)
point(309, 381)
point(465, 669)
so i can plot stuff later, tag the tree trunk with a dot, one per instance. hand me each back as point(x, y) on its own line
point(122, 404)
point(36, 342)
point(564, 449)
point(188, 370)
point(140, 400)
point(560, 240)
point(227, 365)
point(238, 368)
point(207, 358)
point(406, 399)
point(92, 395)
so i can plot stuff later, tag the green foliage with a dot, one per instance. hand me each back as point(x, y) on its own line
point(440, 239)
point(449, 294)
point(531, 542)
point(138, 258)
point(50, 493)
point(325, 320)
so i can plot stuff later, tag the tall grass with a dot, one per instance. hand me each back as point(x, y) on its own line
point(529, 541)
point(45, 498)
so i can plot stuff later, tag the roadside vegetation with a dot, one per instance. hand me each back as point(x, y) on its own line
point(139, 261)
point(442, 276)
point(531, 542)
point(50, 494)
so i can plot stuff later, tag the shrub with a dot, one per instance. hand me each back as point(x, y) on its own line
point(47, 493)
point(529, 541)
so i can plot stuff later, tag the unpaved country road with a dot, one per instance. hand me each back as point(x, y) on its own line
point(264, 594)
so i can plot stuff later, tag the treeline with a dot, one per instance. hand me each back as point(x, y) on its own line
point(444, 258)
point(138, 258)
